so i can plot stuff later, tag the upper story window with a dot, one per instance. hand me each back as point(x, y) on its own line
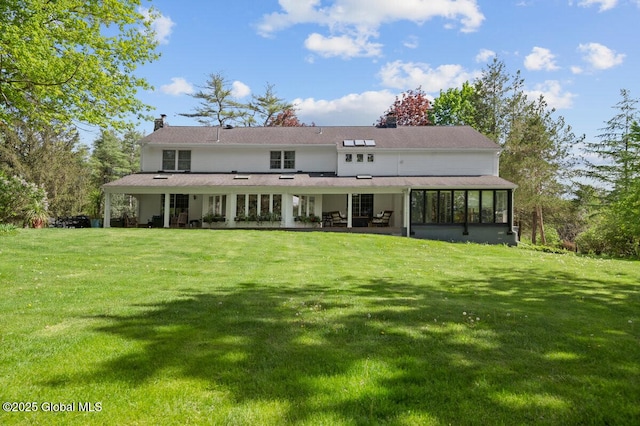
point(176, 160)
point(282, 160)
point(360, 158)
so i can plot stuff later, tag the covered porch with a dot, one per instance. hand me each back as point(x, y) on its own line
point(308, 210)
point(432, 207)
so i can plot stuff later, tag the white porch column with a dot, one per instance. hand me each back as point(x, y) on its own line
point(349, 210)
point(407, 211)
point(287, 210)
point(107, 210)
point(232, 202)
point(167, 213)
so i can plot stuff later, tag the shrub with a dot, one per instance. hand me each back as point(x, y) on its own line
point(21, 201)
point(6, 228)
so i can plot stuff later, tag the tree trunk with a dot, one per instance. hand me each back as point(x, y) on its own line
point(543, 237)
point(534, 225)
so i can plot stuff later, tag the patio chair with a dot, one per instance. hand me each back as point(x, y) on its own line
point(382, 219)
point(337, 219)
point(183, 219)
point(129, 222)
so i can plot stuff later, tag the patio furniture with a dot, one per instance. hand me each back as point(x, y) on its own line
point(337, 219)
point(129, 222)
point(382, 219)
point(155, 222)
point(183, 219)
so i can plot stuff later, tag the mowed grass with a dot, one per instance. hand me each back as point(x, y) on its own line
point(270, 327)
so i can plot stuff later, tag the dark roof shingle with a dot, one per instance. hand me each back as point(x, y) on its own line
point(403, 137)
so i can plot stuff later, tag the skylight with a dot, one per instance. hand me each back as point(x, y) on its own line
point(358, 142)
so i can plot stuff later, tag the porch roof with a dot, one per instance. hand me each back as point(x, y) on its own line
point(194, 183)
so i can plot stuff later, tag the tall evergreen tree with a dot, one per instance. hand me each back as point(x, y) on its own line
point(267, 106)
point(217, 105)
point(537, 157)
point(617, 150)
point(536, 146)
point(111, 159)
point(498, 97)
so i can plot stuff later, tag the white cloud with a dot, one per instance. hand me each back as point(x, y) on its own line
point(343, 46)
point(240, 90)
point(410, 75)
point(161, 25)
point(484, 55)
point(604, 4)
point(356, 109)
point(358, 21)
point(370, 14)
point(553, 94)
point(412, 42)
point(576, 69)
point(600, 57)
point(179, 86)
point(540, 59)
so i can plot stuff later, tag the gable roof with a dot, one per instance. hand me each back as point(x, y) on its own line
point(402, 137)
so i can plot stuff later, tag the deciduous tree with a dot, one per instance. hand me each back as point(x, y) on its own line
point(455, 107)
point(52, 158)
point(70, 61)
point(286, 118)
point(411, 108)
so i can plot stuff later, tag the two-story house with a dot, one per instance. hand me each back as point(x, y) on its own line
point(434, 182)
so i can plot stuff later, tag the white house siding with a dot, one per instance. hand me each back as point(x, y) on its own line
point(433, 163)
point(432, 157)
point(448, 164)
point(225, 159)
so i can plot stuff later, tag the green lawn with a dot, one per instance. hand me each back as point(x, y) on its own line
point(270, 327)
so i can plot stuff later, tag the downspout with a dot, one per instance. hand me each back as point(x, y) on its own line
point(510, 211)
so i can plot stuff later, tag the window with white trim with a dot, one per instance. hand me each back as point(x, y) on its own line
point(279, 160)
point(179, 160)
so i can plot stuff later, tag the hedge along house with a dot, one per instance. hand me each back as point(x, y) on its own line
point(440, 182)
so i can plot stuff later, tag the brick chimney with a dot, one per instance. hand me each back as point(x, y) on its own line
point(159, 123)
point(392, 120)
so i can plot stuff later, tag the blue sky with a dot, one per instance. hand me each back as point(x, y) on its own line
point(342, 62)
